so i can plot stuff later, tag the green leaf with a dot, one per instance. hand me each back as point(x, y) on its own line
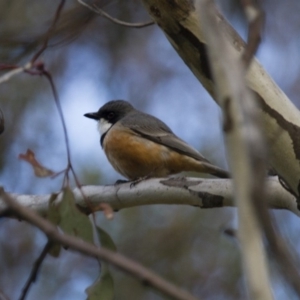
point(54, 218)
point(102, 288)
point(105, 239)
point(72, 220)
point(53, 215)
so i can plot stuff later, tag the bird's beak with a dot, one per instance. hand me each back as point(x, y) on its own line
point(92, 116)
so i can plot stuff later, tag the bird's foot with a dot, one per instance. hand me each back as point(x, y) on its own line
point(121, 181)
point(138, 180)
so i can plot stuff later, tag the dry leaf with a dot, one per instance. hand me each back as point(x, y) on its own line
point(39, 170)
point(107, 210)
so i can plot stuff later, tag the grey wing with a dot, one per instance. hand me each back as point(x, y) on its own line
point(157, 131)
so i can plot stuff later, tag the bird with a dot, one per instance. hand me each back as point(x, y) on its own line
point(139, 145)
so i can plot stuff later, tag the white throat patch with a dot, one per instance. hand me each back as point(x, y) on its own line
point(103, 126)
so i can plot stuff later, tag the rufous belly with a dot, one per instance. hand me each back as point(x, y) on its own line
point(134, 156)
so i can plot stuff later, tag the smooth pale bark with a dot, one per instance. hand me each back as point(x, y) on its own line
point(199, 192)
point(180, 23)
point(245, 149)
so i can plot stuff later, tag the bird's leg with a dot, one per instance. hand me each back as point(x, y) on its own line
point(138, 180)
point(120, 181)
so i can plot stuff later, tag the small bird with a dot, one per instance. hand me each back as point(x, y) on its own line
point(139, 145)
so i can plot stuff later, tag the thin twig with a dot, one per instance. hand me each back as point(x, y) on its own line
point(50, 31)
point(101, 12)
point(116, 259)
point(69, 164)
point(35, 67)
point(58, 105)
point(14, 72)
point(35, 269)
point(28, 66)
point(255, 18)
point(40, 68)
point(56, 98)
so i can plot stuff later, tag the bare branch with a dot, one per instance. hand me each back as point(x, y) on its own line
point(116, 259)
point(35, 67)
point(199, 192)
point(101, 12)
point(35, 270)
point(50, 31)
point(61, 115)
point(255, 17)
point(245, 147)
point(28, 66)
point(281, 119)
point(240, 114)
point(14, 72)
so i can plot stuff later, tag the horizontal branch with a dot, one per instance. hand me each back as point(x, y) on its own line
point(200, 192)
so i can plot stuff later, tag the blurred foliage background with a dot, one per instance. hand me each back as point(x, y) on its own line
point(93, 61)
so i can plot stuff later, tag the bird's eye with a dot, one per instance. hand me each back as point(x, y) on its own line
point(110, 115)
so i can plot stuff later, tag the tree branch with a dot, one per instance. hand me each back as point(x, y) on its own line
point(35, 269)
point(101, 12)
point(7, 76)
point(245, 147)
point(281, 119)
point(255, 18)
point(114, 258)
point(203, 193)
